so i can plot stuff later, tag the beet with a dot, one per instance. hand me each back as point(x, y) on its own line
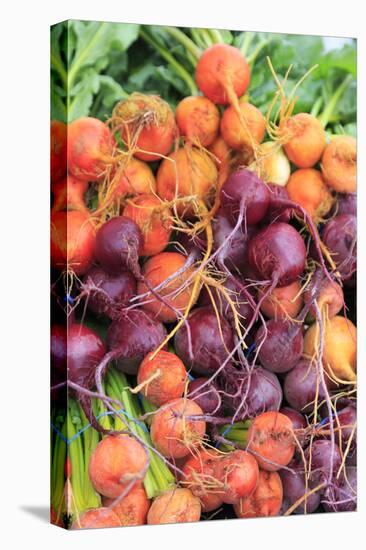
point(277, 253)
point(113, 293)
point(339, 236)
point(243, 187)
point(347, 204)
point(234, 253)
point(293, 483)
point(242, 306)
point(210, 348)
point(282, 347)
point(276, 213)
point(208, 398)
point(132, 336)
point(341, 495)
point(300, 387)
point(261, 389)
point(85, 350)
point(324, 462)
point(118, 245)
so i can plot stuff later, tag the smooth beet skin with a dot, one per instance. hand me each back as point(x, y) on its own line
point(300, 387)
point(277, 253)
point(339, 236)
point(113, 292)
point(281, 347)
point(118, 244)
point(210, 348)
point(85, 350)
point(133, 335)
point(244, 187)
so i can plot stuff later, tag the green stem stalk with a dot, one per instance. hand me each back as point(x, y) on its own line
point(326, 115)
point(183, 39)
point(179, 69)
point(247, 40)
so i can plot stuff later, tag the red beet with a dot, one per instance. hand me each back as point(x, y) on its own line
point(113, 293)
point(132, 336)
point(300, 387)
point(85, 350)
point(118, 245)
point(260, 391)
point(208, 398)
point(339, 236)
point(276, 213)
point(243, 187)
point(210, 347)
point(278, 254)
point(282, 346)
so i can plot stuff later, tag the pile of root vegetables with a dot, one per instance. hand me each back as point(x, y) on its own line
point(203, 281)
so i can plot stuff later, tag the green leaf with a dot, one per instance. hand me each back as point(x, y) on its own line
point(58, 108)
point(344, 59)
point(96, 39)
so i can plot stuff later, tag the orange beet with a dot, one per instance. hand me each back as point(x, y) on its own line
point(114, 462)
point(72, 241)
point(220, 151)
point(307, 187)
point(199, 477)
point(304, 139)
point(133, 508)
point(154, 220)
point(147, 122)
point(245, 132)
point(169, 379)
point(339, 164)
point(222, 70)
point(173, 433)
point(271, 439)
point(97, 519)
point(198, 119)
point(174, 506)
point(266, 500)
point(89, 148)
point(283, 302)
point(192, 174)
point(134, 178)
point(156, 270)
point(238, 471)
point(68, 194)
point(58, 150)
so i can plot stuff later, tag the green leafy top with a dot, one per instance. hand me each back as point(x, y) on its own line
point(95, 64)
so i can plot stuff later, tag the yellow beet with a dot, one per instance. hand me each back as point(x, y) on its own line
point(340, 347)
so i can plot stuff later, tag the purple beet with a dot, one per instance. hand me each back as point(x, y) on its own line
point(347, 204)
point(294, 487)
point(244, 189)
point(211, 340)
point(242, 306)
point(323, 460)
point(339, 236)
point(234, 253)
point(118, 245)
point(85, 350)
point(113, 292)
point(274, 212)
point(208, 398)
point(260, 391)
point(277, 253)
point(132, 336)
point(300, 387)
point(341, 495)
point(282, 346)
